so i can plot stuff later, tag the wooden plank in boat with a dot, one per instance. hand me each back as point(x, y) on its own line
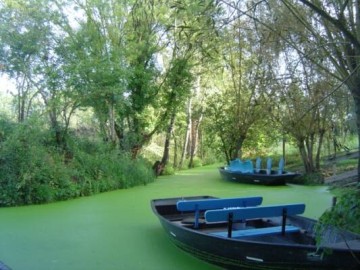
point(241, 214)
point(208, 204)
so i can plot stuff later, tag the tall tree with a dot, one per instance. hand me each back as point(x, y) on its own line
point(326, 33)
point(30, 40)
point(24, 35)
point(244, 81)
point(191, 37)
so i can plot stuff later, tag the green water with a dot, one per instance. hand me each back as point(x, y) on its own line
point(117, 230)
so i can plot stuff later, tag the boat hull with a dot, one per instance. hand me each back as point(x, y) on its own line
point(260, 178)
point(252, 254)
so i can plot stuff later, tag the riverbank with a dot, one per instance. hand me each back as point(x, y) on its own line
point(117, 230)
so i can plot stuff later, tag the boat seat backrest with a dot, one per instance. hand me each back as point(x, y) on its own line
point(254, 212)
point(268, 166)
point(281, 166)
point(258, 165)
point(209, 204)
point(242, 214)
point(241, 166)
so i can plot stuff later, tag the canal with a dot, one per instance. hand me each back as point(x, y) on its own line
point(117, 230)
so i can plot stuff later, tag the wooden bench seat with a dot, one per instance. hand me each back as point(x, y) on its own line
point(209, 204)
point(242, 214)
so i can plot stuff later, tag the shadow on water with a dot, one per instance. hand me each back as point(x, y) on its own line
point(117, 230)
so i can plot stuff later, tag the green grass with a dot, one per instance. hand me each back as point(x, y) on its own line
point(117, 230)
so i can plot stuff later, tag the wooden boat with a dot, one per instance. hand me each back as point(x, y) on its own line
point(261, 177)
point(237, 233)
point(243, 172)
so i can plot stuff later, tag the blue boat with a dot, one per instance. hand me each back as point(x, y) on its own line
point(244, 172)
point(241, 233)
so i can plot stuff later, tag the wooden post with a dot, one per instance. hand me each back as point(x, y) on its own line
point(230, 224)
point(334, 201)
point(284, 221)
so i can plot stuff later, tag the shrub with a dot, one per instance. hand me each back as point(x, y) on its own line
point(34, 170)
point(31, 171)
point(110, 169)
point(168, 170)
point(346, 213)
point(308, 179)
point(196, 162)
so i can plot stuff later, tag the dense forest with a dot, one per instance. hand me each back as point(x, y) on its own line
point(109, 94)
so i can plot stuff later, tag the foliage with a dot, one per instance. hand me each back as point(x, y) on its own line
point(315, 178)
point(102, 168)
point(210, 157)
point(346, 213)
point(197, 162)
point(33, 170)
point(250, 73)
point(243, 84)
point(168, 170)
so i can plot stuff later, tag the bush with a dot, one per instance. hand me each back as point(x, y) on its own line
point(308, 179)
point(110, 169)
point(34, 170)
point(196, 162)
point(168, 170)
point(30, 171)
point(346, 213)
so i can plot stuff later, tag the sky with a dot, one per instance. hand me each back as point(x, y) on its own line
point(6, 86)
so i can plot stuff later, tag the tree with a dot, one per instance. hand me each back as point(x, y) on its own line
point(304, 116)
point(241, 100)
point(330, 31)
point(324, 32)
point(29, 52)
point(24, 34)
point(111, 64)
point(190, 38)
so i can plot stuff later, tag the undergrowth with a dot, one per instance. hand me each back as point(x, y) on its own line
point(346, 212)
point(34, 169)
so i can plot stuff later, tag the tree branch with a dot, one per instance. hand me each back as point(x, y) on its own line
point(335, 22)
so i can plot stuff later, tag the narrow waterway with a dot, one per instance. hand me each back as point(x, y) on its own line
point(117, 230)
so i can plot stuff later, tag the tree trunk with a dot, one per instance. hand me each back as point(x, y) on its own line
point(175, 150)
point(304, 157)
point(225, 150)
point(306, 154)
point(354, 85)
point(357, 111)
point(112, 132)
point(21, 96)
point(194, 141)
point(238, 151)
point(284, 149)
point(187, 134)
point(309, 143)
point(159, 167)
point(318, 153)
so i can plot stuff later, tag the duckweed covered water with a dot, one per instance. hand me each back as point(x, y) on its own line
point(117, 230)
